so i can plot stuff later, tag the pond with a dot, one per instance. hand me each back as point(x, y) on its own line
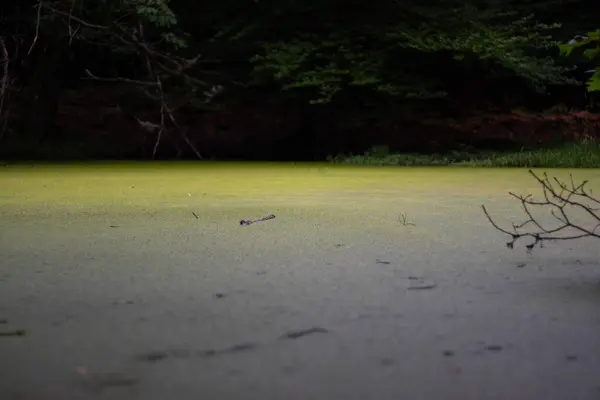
point(370, 282)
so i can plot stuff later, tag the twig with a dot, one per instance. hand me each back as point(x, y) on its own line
point(558, 199)
point(165, 109)
point(159, 66)
point(73, 17)
point(160, 131)
point(37, 26)
point(248, 222)
point(118, 79)
point(71, 32)
point(403, 221)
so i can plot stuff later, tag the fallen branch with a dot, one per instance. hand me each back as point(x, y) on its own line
point(248, 222)
point(559, 197)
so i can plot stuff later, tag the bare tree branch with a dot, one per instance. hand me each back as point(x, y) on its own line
point(159, 66)
point(37, 26)
point(179, 64)
point(72, 32)
point(160, 131)
point(73, 17)
point(118, 79)
point(559, 198)
point(165, 110)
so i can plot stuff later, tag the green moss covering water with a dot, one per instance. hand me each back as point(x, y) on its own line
point(149, 207)
point(135, 184)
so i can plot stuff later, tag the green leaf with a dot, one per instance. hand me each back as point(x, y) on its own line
point(594, 35)
point(591, 54)
point(566, 49)
point(593, 84)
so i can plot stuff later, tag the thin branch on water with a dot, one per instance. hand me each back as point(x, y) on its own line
point(559, 197)
point(403, 220)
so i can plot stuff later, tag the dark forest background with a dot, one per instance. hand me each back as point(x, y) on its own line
point(290, 79)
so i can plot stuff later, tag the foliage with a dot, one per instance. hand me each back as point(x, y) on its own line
point(571, 155)
point(590, 46)
point(147, 32)
point(406, 49)
point(378, 62)
point(99, 23)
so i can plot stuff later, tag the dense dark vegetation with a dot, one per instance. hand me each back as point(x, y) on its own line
point(257, 79)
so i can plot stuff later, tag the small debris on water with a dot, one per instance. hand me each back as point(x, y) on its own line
point(122, 302)
point(378, 261)
point(422, 287)
point(13, 333)
point(180, 353)
point(98, 381)
point(239, 348)
point(403, 220)
point(494, 347)
point(299, 334)
point(248, 222)
point(153, 356)
point(522, 265)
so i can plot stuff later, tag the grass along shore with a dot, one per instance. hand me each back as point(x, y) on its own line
point(572, 155)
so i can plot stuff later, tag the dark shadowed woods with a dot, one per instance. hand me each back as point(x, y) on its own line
point(292, 79)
